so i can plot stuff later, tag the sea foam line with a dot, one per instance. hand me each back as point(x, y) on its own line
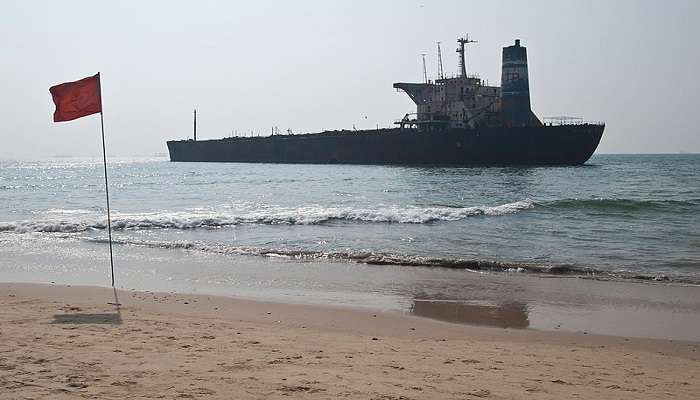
point(406, 260)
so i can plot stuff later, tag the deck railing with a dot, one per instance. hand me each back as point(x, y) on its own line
point(556, 121)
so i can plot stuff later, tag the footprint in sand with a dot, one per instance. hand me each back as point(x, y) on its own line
point(479, 393)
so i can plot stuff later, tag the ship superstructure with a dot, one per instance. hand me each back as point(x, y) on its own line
point(467, 101)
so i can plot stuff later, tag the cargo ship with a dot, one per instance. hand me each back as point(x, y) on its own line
point(459, 120)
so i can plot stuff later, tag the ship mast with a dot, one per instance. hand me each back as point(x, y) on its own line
point(441, 72)
point(194, 125)
point(462, 58)
point(425, 71)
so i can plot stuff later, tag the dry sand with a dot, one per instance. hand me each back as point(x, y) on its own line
point(63, 342)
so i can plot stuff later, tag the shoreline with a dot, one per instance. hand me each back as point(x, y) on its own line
point(486, 265)
point(52, 343)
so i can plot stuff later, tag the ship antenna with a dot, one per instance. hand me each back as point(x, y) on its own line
point(462, 57)
point(441, 72)
point(425, 71)
point(194, 125)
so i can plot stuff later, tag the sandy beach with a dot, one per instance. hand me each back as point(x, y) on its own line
point(66, 342)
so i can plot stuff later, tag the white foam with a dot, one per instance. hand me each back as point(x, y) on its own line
point(83, 220)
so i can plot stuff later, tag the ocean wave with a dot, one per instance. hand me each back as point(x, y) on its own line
point(405, 260)
point(42, 226)
point(604, 204)
point(310, 215)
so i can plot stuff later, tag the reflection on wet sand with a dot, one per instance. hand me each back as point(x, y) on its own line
point(503, 315)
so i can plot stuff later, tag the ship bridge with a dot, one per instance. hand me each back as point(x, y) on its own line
point(467, 101)
point(463, 101)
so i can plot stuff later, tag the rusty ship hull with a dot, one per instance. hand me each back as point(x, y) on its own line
point(459, 120)
point(537, 145)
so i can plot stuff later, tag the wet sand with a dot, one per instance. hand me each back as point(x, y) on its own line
point(66, 342)
point(659, 310)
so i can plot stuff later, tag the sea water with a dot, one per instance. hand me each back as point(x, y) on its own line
point(625, 216)
point(463, 244)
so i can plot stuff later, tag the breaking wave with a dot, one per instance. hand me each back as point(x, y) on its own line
point(310, 215)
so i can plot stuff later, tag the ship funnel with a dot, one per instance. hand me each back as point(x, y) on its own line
point(515, 88)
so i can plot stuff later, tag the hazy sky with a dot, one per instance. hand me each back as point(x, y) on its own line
point(310, 65)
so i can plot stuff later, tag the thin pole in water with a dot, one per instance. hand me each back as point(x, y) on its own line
point(109, 218)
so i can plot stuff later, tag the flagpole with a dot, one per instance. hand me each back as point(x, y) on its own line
point(109, 218)
point(76, 100)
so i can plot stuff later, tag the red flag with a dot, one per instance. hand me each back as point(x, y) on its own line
point(77, 99)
